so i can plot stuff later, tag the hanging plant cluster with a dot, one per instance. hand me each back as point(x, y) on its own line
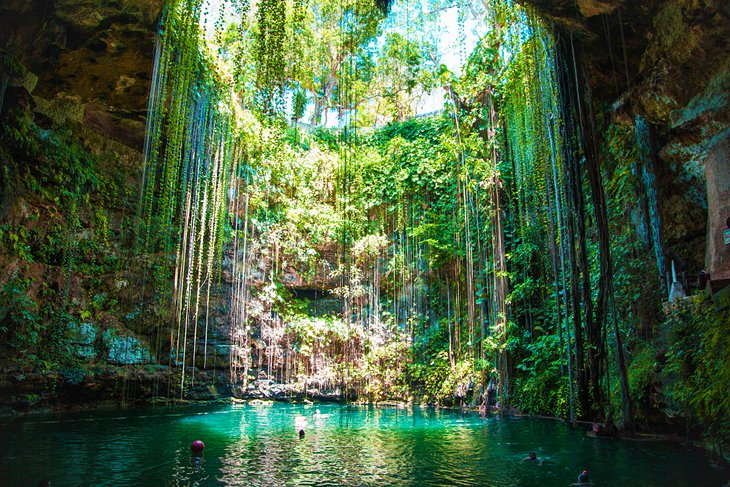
point(534, 139)
point(191, 154)
point(271, 20)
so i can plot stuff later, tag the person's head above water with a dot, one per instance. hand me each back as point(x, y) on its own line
point(531, 457)
point(301, 433)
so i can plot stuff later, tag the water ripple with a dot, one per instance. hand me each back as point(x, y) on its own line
point(343, 446)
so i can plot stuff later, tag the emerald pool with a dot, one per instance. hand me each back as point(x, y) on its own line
point(258, 445)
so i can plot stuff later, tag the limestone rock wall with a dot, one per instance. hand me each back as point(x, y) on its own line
point(669, 62)
point(75, 79)
point(99, 53)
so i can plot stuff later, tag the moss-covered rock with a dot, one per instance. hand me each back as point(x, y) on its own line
point(125, 350)
point(81, 338)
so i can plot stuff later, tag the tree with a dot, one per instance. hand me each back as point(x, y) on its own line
point(405, 67)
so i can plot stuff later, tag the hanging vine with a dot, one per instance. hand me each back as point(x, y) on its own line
point(192, 137)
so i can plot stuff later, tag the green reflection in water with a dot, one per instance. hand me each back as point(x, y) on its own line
point(258, 445)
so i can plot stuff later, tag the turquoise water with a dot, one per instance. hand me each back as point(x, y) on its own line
point(257, 445)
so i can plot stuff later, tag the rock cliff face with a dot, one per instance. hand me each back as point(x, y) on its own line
point(669, 62)
point(74, 82)
point(86, 68)
point(98, 53)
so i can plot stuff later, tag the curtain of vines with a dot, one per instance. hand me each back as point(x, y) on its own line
point(189, 164)
point(555, 189)
point(532, 119)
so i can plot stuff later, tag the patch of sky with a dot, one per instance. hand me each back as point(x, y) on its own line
point(453, 27)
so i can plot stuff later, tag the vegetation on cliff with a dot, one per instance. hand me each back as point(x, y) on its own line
point(495, 244)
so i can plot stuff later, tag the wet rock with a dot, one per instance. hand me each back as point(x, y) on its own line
point(63, 110)
point(98, 52)
point(114, 125)
point(268, 389)
point(718, 195)
point(589, 8)
point(25, 80)
point(203, 391)
point(687, 47)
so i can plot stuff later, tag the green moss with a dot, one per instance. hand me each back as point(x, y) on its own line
point(697, 373)
point(643, 381)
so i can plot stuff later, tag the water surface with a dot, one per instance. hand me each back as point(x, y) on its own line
point(257, 445)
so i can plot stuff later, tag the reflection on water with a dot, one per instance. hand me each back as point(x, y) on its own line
point(258, 445)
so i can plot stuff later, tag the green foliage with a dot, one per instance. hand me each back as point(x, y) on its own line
point(697, 372)
point(73, 375)
point(543, 394)
point(425, 130)
point(20, 318)
point(299, 104)
point(17, 241)
point(18, 134)
point(270, 50)
point(386, 372)
point(643, 382)
point(404, 65)
point(636, 273)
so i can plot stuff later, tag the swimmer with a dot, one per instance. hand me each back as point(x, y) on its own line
point(531, 457)
point(300, 422)
point(583, 477)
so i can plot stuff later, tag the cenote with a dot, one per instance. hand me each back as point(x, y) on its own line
point(258, 445)
point(514, 207)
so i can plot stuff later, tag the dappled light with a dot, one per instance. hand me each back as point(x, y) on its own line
point(499, 208)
